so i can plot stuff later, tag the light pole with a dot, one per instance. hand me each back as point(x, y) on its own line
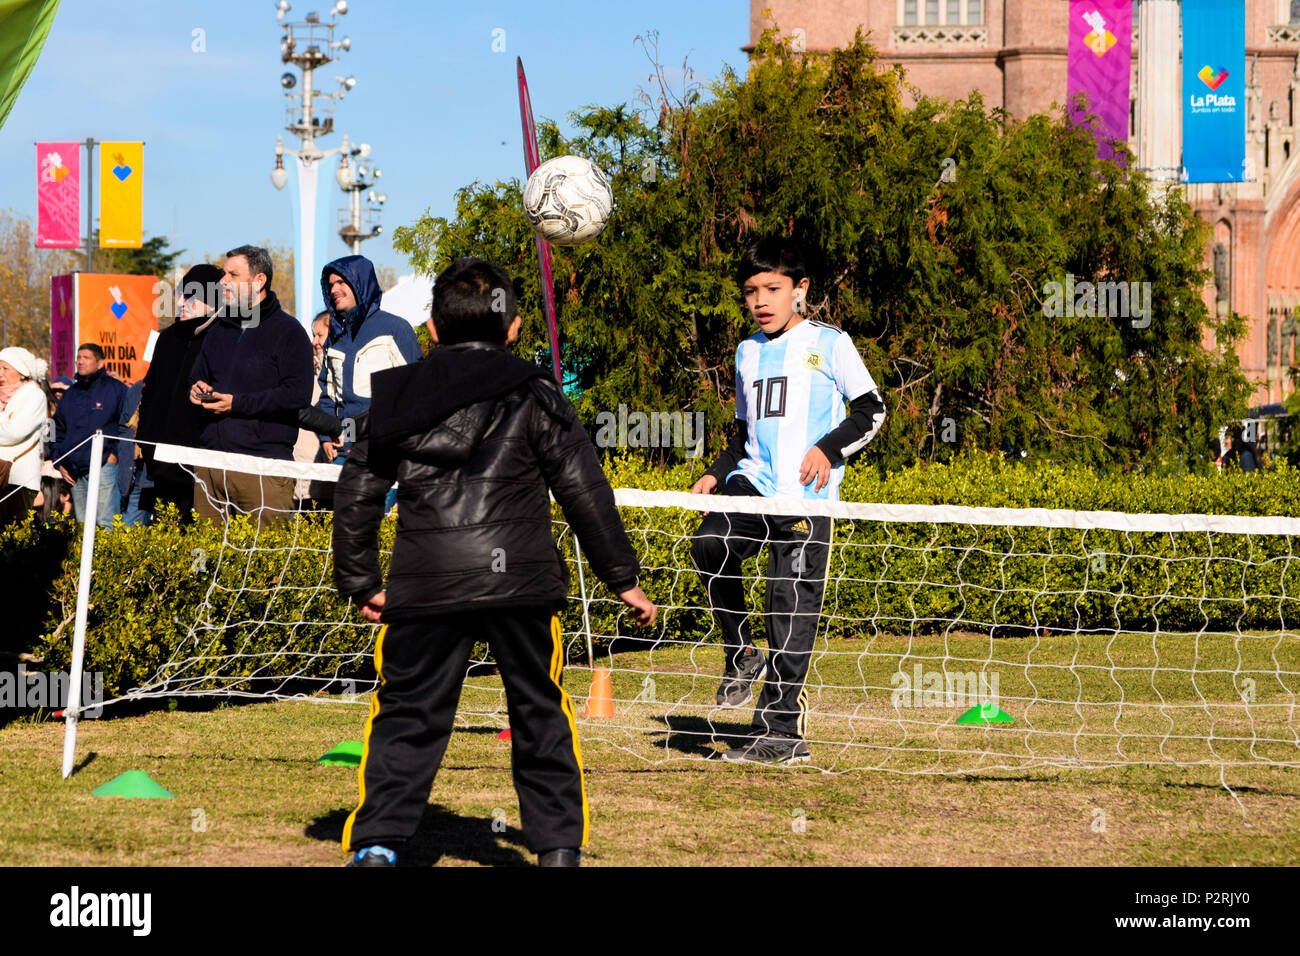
point(356, 224)
point(309, 113)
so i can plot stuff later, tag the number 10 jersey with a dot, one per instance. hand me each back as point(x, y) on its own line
point(791, 391)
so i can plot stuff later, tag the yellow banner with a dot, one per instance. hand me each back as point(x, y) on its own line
point(121, 195)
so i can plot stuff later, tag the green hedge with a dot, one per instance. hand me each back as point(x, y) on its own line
point(272, 609)
point(927, 578)
point(164, 593)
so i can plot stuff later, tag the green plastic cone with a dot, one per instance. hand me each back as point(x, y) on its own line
point(986, 713)
point(133, 783)
point(346, 754)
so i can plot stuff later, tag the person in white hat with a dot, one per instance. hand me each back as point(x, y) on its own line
point(23, 409)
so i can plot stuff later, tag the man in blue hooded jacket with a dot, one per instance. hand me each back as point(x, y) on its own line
point(363, 339)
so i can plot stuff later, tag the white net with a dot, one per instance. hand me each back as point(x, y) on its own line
point(949, 639)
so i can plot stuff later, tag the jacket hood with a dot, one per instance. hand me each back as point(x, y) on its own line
point(452, 441)
point(454, 390)
point(359, 273)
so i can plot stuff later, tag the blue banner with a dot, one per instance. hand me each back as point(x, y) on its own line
point(1214, 91)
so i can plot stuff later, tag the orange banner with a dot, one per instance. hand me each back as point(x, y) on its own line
point(117, 314)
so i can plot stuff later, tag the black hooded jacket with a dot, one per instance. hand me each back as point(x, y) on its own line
point(166, 412)
point(474, 438)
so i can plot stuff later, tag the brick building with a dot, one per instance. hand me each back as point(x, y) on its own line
point(1014, 53)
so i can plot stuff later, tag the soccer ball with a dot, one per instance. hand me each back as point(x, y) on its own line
point(568, 200)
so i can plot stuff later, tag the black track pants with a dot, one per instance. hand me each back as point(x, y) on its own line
point(421, 667)
point(798, 553)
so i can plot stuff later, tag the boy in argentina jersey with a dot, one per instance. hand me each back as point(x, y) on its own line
point(793, 380)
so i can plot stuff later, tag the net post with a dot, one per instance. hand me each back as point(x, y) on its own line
point(73, 705)
point(582, 589)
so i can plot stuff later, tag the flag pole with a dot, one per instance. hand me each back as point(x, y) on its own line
point(90, 204)
point(532, 159)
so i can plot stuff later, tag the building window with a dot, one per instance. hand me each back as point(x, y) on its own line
point(1295, 11)
point(948, 13)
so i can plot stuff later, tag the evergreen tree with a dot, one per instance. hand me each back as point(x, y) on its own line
point(153, 258)
point(935, 235)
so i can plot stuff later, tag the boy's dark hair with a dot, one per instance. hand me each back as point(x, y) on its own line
point(772, 254)
point(473, 301)
point(93, 348)
point(259, 260)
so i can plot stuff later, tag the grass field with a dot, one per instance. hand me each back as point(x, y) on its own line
point(249, 790)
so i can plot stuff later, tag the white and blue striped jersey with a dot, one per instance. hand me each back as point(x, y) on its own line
point(791, 391)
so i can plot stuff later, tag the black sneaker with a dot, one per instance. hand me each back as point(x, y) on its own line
point(769, 750)
point(560, 857)
point(737, 688)
point(373, 856)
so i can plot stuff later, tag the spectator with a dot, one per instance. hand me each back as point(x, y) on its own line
point(252, 377)
point(93, 403)
point(1238, 451)
point(131, 479)
point(363, 339)
point(308, 446)
point(56, 494)
point(22, 427)
point(320, 333)
point(166, 414)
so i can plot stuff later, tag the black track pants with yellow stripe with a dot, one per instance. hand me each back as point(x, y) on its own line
point(421, 668)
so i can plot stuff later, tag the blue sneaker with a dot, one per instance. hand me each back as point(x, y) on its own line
point(373, 856)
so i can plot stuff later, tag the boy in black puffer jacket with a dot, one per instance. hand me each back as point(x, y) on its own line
point(474, 438)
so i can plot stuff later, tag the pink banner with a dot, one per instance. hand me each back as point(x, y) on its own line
point(58, 195)
point(1100, 54)
point(63, 327)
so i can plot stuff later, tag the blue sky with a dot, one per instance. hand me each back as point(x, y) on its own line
point(434, 100)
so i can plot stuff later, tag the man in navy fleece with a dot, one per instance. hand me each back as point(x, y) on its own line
point(252, 376)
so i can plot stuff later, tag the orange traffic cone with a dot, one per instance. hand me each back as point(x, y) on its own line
point(600, 702)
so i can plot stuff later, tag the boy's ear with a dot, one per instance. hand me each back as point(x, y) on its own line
point(512, 333)
point(433, 329)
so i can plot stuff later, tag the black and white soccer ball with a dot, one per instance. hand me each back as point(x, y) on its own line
point(568, 200)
